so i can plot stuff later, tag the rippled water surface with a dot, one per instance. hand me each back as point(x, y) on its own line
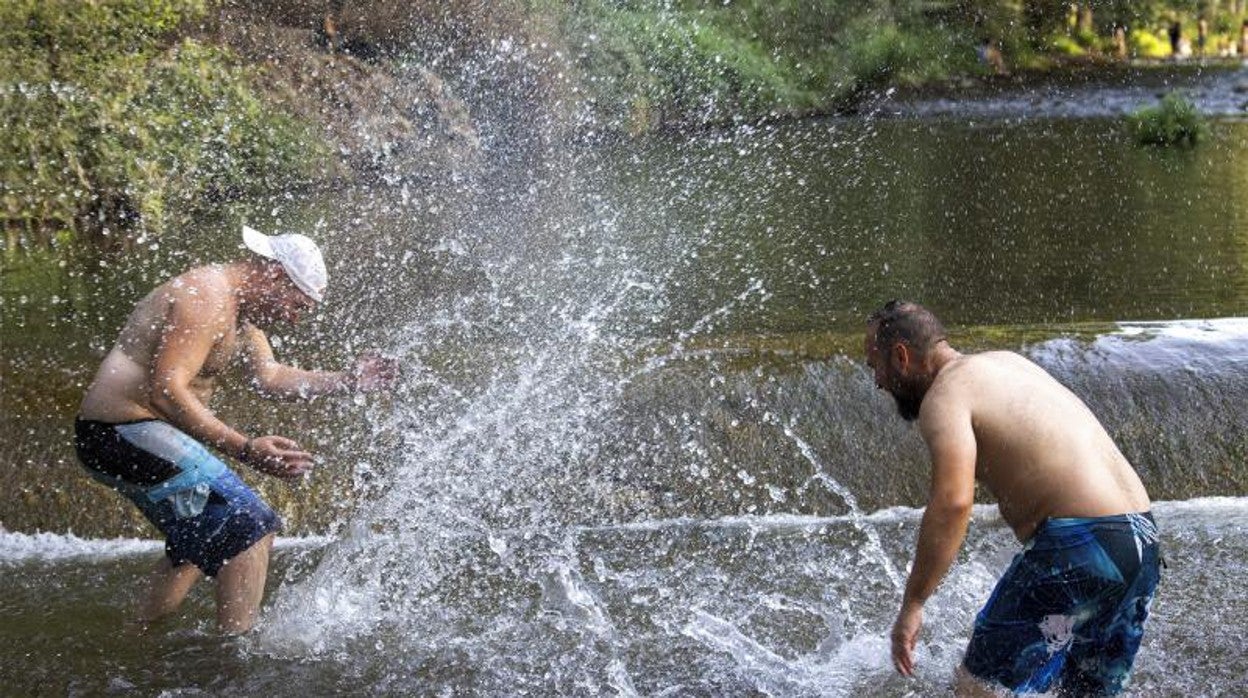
point(780, 604)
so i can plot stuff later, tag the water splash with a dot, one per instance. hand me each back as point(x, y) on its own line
point(821, 476)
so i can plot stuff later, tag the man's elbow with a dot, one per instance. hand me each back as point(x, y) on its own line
point(953, 508)
point(266, 382)
point(164, 399)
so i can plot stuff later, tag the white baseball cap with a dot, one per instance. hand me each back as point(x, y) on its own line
point(297, 254)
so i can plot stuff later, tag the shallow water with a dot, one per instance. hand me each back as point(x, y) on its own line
point(634, 450)
point(746, 605)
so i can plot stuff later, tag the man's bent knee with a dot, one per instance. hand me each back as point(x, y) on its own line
point(240, 587)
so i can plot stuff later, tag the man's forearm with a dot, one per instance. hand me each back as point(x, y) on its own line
point(940, 536)
point(289, 383)
point(187, 413)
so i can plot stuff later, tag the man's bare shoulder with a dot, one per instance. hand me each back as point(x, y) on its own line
point(206, 283)
point(202, 289)
point(964, 378)
point(988, 364)
point(201, 297)
point(951, 390)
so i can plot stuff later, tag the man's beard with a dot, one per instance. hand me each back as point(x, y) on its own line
point(909, 401)
point(269, 320)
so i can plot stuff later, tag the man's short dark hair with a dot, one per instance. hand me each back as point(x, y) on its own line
point(906, 322)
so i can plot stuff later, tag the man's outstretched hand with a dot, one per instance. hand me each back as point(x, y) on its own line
point(905, 636)
point(277, 456)
point(373, 372)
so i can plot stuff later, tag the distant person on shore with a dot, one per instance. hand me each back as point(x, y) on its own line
point(1176, 38)
point(990, 56)
point(1243, 40)
point(1120, 43)
point(1202, 35)
point(144, 428)
point(1069, 612)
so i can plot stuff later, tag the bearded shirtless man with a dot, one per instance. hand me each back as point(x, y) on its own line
point(144, 428)
point(1069, 612)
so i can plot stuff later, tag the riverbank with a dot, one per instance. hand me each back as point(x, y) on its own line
point(1216, 89)
point(130, 117)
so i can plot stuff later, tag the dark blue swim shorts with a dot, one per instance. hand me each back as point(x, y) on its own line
point(1069, 612)
point(205, 511)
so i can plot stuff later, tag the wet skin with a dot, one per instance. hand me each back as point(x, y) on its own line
point(165, 365)
point(184, 334)
point(999, 419)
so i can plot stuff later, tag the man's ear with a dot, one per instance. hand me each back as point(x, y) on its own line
point(274, 271)
point(900, 356)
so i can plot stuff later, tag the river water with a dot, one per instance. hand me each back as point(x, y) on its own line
point(634, 450)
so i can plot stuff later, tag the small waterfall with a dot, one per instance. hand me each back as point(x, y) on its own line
point(1169, 394)
point(591, 512)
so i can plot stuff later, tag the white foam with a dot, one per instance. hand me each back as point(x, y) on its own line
point(1213, 508)
point(1204, 505)
point(1209, 513)
point(56, 547)
point(833, 671)
point(44, 547)
point(1203, 330)
point(985, 513)
point(52, 547)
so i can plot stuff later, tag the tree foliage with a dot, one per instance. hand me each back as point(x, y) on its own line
point(111, 117)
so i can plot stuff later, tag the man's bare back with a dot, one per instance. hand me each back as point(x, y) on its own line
point(1039, 450)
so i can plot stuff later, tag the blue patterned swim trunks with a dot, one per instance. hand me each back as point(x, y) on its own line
point(1069, 612)
point(208, 515)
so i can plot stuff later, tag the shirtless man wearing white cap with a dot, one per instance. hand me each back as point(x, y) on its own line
point(144, 424)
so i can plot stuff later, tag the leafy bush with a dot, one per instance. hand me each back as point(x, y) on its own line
point(110, 120)
point(1089, 39)
point(1145, 44)
point(1067, 46)
point(894, 53)
point(877, 56)
point(647, 64)
point(1173, 122)
point(652, 63)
